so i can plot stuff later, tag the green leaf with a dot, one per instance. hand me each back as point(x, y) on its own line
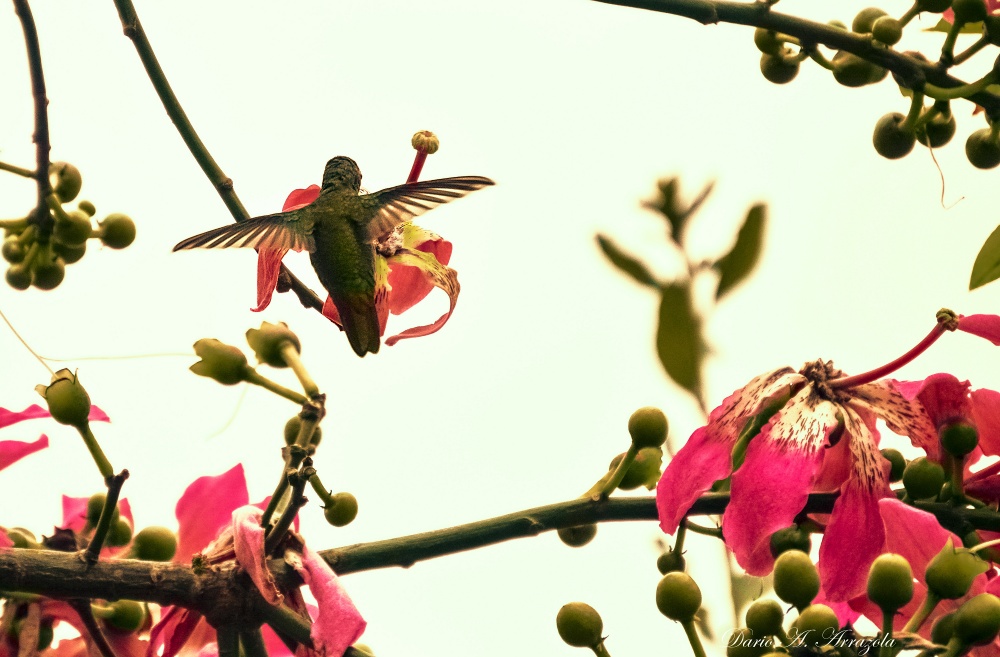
point(986, 269)
point(628, 264)
point(735, 266)
point(678, 338)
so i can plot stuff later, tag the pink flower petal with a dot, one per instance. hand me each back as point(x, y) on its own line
point(943, 396)
point(248, 542)
point(441, 276)
point(268, 268)
point(907, 417)
point(853, 538)
point(692, 471)
point(300, 198)
point(205, 508)
point(339, 623)
point(75, 512)
point(176, 626)
point(331, 313)
point(986, 416)
point(35, 411)
point(5, 541)
point(12, 451)
point(984, 326)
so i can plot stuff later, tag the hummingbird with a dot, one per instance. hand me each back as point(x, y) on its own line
point(339, 230)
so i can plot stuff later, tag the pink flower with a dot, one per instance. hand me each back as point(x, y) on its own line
point(12, 451)
point(409, 262)
point(238, 535)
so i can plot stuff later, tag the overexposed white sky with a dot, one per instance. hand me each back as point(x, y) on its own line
point(575, 108)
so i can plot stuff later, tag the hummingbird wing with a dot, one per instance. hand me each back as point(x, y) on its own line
point(271, 231)
point(397, 205)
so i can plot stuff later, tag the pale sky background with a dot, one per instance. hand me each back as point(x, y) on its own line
point(575, 108)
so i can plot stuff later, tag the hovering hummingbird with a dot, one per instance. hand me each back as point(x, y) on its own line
point(339, 230)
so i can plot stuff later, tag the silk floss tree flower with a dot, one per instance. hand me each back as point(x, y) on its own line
point(788, 433)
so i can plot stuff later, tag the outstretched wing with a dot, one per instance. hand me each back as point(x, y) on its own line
point(397, 205)
point(271, 231)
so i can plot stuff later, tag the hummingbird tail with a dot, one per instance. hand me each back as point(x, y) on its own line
point(361, 324)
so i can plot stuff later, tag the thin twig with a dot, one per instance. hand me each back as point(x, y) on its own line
point(82, 608)
point(114, 483)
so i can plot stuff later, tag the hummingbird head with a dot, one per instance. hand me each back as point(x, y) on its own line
point(342, 173)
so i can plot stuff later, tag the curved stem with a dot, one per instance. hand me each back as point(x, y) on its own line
point(291, 357)
point(889, 368)
point(90, 440)
point(967, 54)
point(692, 634)
point(258, 380)
point(82, 608)
point(926, 607)
point(962, 91)
point(24, 173)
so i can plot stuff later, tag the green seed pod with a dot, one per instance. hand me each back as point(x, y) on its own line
point(943, 629)
point(342, 510)
point(678, 596)
point(22, 538)
point(796, 580)
point(69, 254)
point(577, 536)
point(767, 41)
point(117, 231)
point(814, 626)
point(982, 150)
point(765, 618)
point(579, 625)
point(923, 478)
point(66, 180)
point(890, 139)
point(18, 277)
point(268, 340)
point(790, 538)
point(47, 271)
point(120, 534)
point(648, 427)
point(890, 582)
point(897, 463)
point(127, 616)
point(66, 398)
point(977, 622)
point(969, 11)
point(74, 230)
point(938, 131)
point(959, 438)
point(644, 471)
point(888, 30)
point(865, 20)
point(853, 71)
point(154, 544)
point(222, 362)
point(951, 572)
point(670, 561)
point(778, 68)
point(87, 207)
point(12, 250)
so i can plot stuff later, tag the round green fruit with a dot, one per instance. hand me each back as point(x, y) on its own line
point(938, 131)
point(888, 30)
point(66, 180)
point(865, 20)
point(577, 536)
point(678, 596)
point(648, 427)
point(796, 580)
point(778, 69)
point(18, 277)
point(579, 625)
point(982, 150)
point(154, 544)
point(48, 273)
point(969, 11)
point(342, 510)
point(117, 230)
point(891, 139)
point(923, 478)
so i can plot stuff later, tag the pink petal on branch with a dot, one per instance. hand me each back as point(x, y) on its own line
point(984, 326)
point(691, 472)
point(75, 512)
point(12, 451)
point(986, 417)
point(338, 623)
point(248, 542)
point(205, 508)
point(174, 629)
point(853, 538)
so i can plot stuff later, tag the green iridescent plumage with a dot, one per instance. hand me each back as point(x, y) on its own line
point(339, 230)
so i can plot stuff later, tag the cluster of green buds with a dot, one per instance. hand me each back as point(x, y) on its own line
point(929, 119)
point(38, 247)
point(638, 467)
point(924, 479)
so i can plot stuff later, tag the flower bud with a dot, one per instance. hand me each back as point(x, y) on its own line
point(648, 427)
point(865, 20)
point(950, 573)
point(897, 463)
point(923, 478)
point(47, 271)
point(69, 254)
point(959, 438)
point(790, 538)
point(977, 622)
point(18, 277)
point(890, 582)
point(943, 629)
point(969, 11)
point(341, 510)
point(815, 625)
point(887, 30)
point(87, 207)
point(22, 538)
point(154, 544)
point(577, 536)
point(73, 230)
point(116, 231)
point(678, 596)
point(765, 617)
point(95, 505)
point(579, 625)
point(426, 141)
point(66, 398)
point(127, 615)
point(66, 180)
point(644, 470)
point(268, 340)
point(12, 250)
point(222, 362)
point(796, 580)
point(120, 533)
point(670, 561)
